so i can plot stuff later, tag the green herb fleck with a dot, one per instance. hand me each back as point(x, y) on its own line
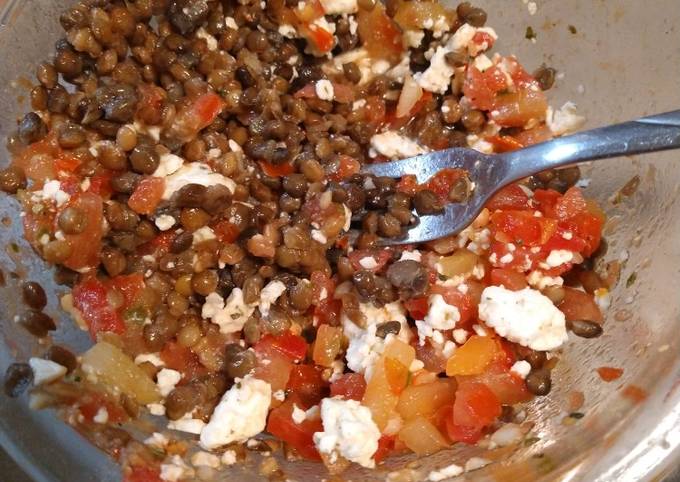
point(14, 247)
point(631, 279)
point(577, 415)
point(442, 277)
point(572, 29)
point(530, 34)
point(529, 441)
point(77, 378)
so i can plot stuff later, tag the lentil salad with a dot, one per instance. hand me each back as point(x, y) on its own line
point(197, 189)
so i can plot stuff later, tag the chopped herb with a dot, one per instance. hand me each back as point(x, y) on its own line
point(441, 277)
point(77, 378)
point(14, 247)
point(572, 29)
point(530, 34)
point(529, 441)
point(577, 415)
point(631, 279)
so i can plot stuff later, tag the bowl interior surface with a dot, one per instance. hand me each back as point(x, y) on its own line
point(618, 62)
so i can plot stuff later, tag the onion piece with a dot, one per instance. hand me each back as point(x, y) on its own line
point(410, 94)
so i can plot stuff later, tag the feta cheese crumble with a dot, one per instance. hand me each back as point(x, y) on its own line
point(187, 424)
point(269, 294)
point(194, 173)
point(287, 30)
point(337, 7)
point(230, 315)
point(521, 368)
point(166, 380)
point(164, 222)
point(298, 415)
point(565, 120)
point(176, 470)
point(526, 317)
point(348, 430)
point(45, 371)
point(447, 472)
point(441, 316)
point(241, 414)
point(168, 164)
point(368, 262)
point(393, 145)
point(324, 89)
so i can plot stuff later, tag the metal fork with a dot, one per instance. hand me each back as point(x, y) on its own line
point(490, 173)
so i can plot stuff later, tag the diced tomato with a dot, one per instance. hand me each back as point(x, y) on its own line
point(481, 87)
point(66, 163)
point(147, 195)
point(100, 184)
point(579, 305)
point(536, 135)
point(417, 307)
point(483, 39)
point(634, 393)
point(516, 109)
point(341, 93)
point(322, 286)
point(151, 100)
point(300, 436)
point(609, 374)
point(460, 433)
point(37, 159)
point(508, 278)
point(321, 39)
point(129, 286)
point(305, 381)
point(570, 204)
point(380, 256)
point(408, 184)
point(399, 122)
point(380, 34)
point(90, 298)
point(467, 307)
point(276, 170)
point(508, 387)
point(547, 201)
point(159, 245)
point(328, 345)
point(504, 143)
point(206, 108)
point(474, 356)
point(140, 473)
point(273, 366)
point(226, 232)
point(397, 374)
point(326, 308)
point(344, 168)
point(510, 197)
point(385, 446)
point(375, 111)
point(522, 228)
point(310, 10)
point(441, 182)
point(37, 224)
point(92, 402)
point(294, 347)
point(350, 386)
point(475, 405)
point(182, 359)
point(85, 246)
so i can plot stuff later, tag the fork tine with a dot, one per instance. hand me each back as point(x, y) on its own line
point(423, 166)
point(455, 218)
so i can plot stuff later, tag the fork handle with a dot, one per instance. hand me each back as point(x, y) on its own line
point(648, 134)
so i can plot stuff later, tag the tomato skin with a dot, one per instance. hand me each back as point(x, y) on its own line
point(504, 143)
point(90, 298)
point(300, 436)
point(350, 386)
point(320, 38)
point(147, 195)
point(385, 446)
point(306, 382)
point(206, 108)
point(276, 170)
point(293, 347)
point(129, 286)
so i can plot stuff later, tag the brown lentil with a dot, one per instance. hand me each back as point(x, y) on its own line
point(33, 295)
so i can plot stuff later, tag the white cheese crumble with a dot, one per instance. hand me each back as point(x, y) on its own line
point(337, 7)
point(475, 463)
point(364, 346)
point(368, 262)
point(298, 415)
point(269, 294)
point(449, 471)
point(540, 281)
point(51, 191)
point(414, 255)
point(205, 459)
point(45, 371)
point(228, 457)
point(230, 315)
point(521, 368)
point(152, 358)
point(168, 164)
point(164, 222)
point(558, 257)
point(157, 440)
point(156, 409)
point(348, 218)
point(393, 145)
point(287, 30)
point(318, 236)
point(194, 173)
point(437, 77)
point(565, 120)
point(241, 414)
point(230, 22)
point(176, 470)
point(482, 63)
point(324, 24)
point(460, 335)
point(102, 416)
point(324, 89)
point(203, 234)
point(526, 317)
point(202, 33)
point(167, 379)
point(348, 430)
point(441, 316)
point(279, 395)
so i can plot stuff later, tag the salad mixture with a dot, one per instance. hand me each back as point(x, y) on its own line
point(191, 168)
